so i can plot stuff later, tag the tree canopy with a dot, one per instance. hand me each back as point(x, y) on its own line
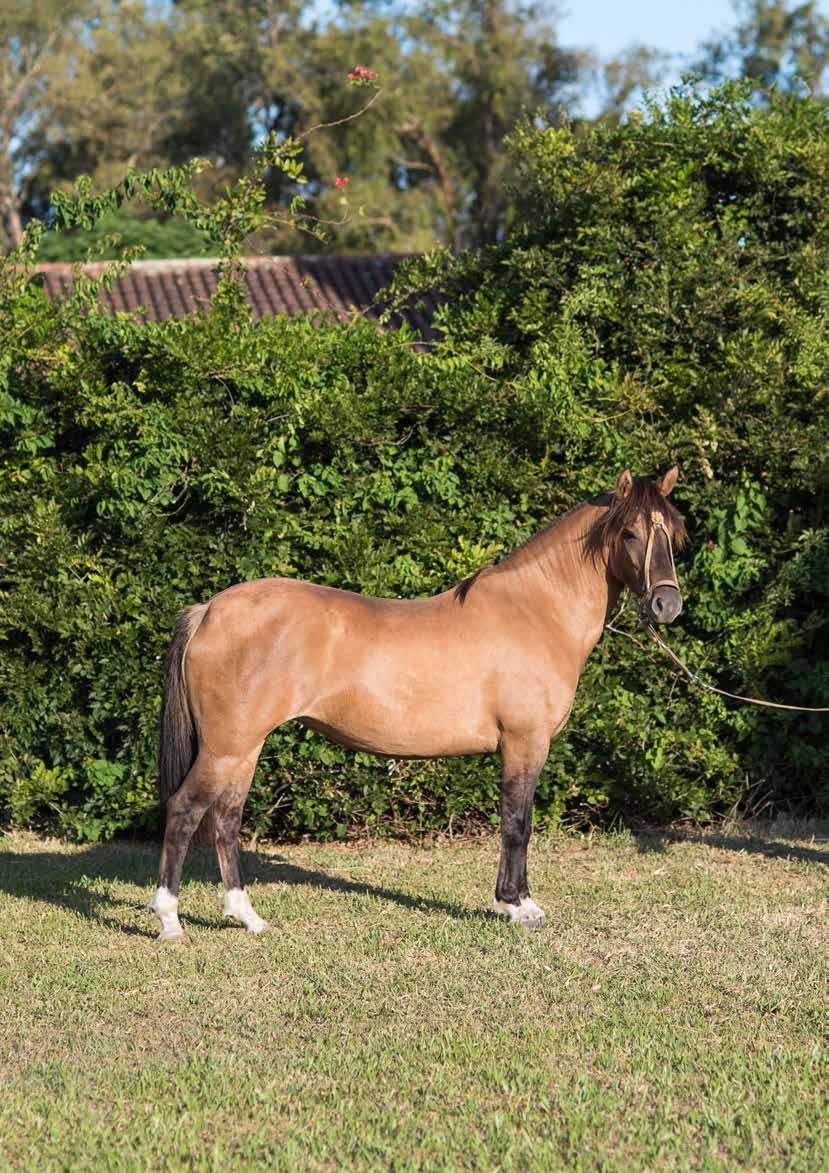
point(97, 87)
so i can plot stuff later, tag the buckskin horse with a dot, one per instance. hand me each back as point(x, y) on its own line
point(489, 666)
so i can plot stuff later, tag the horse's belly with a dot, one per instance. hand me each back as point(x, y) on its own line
point(403, 726)
point(399, 743)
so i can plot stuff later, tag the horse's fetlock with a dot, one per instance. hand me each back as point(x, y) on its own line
point(510, 893)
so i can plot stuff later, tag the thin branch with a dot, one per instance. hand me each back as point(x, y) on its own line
point(339, 121)
point(411, 164)
point(29, 74)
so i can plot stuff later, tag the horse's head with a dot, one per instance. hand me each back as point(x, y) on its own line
point(639, 533)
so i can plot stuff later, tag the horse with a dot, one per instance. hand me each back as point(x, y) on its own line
point(489, 666)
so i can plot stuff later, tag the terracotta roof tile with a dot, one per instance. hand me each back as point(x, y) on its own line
point(277, 285)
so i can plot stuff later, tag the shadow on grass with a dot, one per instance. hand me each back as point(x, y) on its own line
point(656, 841)
point(69, 880)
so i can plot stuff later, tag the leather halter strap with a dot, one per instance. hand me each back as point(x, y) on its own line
point(657, 523)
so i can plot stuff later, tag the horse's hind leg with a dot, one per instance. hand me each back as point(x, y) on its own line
point(228, 814)
point(207, 779)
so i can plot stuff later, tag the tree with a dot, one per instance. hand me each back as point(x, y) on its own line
point(123, 99)
point(626, 77)
point(33, 34)
point(156, 238)
point(501, 59)
point(141, 84)
point(775, 42)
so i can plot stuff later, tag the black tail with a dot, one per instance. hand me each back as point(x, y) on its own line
point(178, 741)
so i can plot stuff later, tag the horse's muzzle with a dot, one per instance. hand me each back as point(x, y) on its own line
point(663, 605)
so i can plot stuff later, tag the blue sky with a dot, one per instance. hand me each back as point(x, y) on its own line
point(676, 26)
point(611, 25)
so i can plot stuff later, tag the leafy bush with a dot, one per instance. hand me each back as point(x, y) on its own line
point(663, 297)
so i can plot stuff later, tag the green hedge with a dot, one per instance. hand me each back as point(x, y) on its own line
point(662, 297)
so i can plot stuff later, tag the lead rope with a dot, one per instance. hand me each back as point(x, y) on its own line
point(735, 696)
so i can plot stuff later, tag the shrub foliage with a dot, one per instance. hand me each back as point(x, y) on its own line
point(662, 296)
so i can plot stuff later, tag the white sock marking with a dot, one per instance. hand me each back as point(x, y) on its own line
point(165, 906)
point(238, 905)
point(525, 912)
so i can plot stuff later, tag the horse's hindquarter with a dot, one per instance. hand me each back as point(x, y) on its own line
point(420, 678)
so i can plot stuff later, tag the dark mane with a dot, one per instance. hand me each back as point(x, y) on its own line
point(622, 513)
point(463, 588)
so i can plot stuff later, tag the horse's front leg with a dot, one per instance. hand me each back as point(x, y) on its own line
point(522, 761)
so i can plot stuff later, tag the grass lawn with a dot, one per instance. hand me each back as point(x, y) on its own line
point(670, 1016)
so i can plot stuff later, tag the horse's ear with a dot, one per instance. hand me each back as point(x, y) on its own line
point(624, 484)
point(667, 481)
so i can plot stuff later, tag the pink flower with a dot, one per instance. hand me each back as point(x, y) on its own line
point(341, 181)
point(360, 73)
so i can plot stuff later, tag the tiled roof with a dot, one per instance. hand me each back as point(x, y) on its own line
point(276, 285)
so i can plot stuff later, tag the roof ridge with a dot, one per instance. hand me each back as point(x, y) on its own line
point(160, 264)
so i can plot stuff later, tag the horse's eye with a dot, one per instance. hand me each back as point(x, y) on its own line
point(629, 535)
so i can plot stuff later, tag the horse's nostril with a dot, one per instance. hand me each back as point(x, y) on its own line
point(665, 606)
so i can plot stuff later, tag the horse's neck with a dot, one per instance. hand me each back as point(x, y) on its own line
point(568, 589)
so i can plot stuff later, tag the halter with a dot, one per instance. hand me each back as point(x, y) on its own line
point(657, 522)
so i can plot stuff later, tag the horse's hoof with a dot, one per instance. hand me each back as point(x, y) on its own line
point(252, 924)
point(525, 913)
point(165, 906)
point(171, 935)
point(256, 925)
